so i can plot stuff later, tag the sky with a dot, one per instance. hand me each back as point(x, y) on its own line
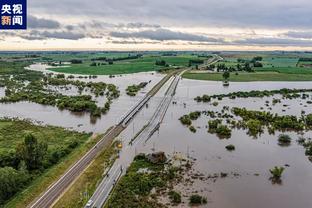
point(164, 25)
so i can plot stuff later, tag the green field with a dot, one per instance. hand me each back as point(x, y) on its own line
point(276, 66)
point(249, 77)
point(12, 134)
point(143, 64)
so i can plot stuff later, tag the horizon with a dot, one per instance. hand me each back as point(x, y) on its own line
point(202, 25)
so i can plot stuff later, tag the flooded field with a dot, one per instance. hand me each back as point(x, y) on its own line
point(81, 121)
point(247, 182)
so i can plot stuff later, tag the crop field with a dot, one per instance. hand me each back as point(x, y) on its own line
point(143, 64)
point(275, 66)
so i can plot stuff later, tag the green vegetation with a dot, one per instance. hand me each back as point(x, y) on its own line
point(250, 77)
point(223, 131)
point(284, 140)
point(134, 189)
point(117, 66)
point(185, 120)
point(76, 196)
point(247, 67)
point(254, 127)
point(175, 197)
point(37, 91)
point(230, 147)
point(192, 129)
point(287, 93)
point(197, 200)
point(132, 90)
point(29, 151)
point(194, 115)
point(284, 122)
point(276, 173)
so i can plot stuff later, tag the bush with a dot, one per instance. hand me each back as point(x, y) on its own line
point(185, 120)
point(284, 140)
point(192, 129)
point(213, 125)
point(197, 200)
point(175, 197)
point(195, 115)
point(254, 127)
point(277, 172)
point(223, 131)
point(230, 147)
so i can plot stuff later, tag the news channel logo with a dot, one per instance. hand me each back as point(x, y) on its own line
point(13, 14)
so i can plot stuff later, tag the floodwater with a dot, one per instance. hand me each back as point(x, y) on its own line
point(81, 121)
point(248, 184)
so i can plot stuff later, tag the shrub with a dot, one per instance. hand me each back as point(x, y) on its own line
point(230, 147)
point(284, 140)
point(175, 197)
point(254, 127)
point(195, 115)
point(223, 131)
point(185, 120)
point(192, 129)
point(277, 172)
point(197, 199)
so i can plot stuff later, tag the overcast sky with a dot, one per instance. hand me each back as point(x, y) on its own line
point(164, 24)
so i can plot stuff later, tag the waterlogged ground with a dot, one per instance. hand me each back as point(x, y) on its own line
point(247, 182)
point(81, 121)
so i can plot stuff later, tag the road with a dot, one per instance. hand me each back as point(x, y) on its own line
point(56, 189)
point(102, 192)
point(215, 59)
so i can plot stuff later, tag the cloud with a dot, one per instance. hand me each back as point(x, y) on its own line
point(273, 42)
point(299, 34)
point(42, 35)
point(163, 34)
point(228, 13)
point(35, 22)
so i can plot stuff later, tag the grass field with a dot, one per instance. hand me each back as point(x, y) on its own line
point(249, 77)
point(78, 194)
point(144, 64)
point(12, 132)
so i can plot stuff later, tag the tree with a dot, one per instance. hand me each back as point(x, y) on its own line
point(226, 75)
point(11, 181)
point(32, 152)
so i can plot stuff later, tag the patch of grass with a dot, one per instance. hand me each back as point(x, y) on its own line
point(135, 188)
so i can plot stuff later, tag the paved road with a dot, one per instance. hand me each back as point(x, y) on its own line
point(56, 189)
point(102, 192)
